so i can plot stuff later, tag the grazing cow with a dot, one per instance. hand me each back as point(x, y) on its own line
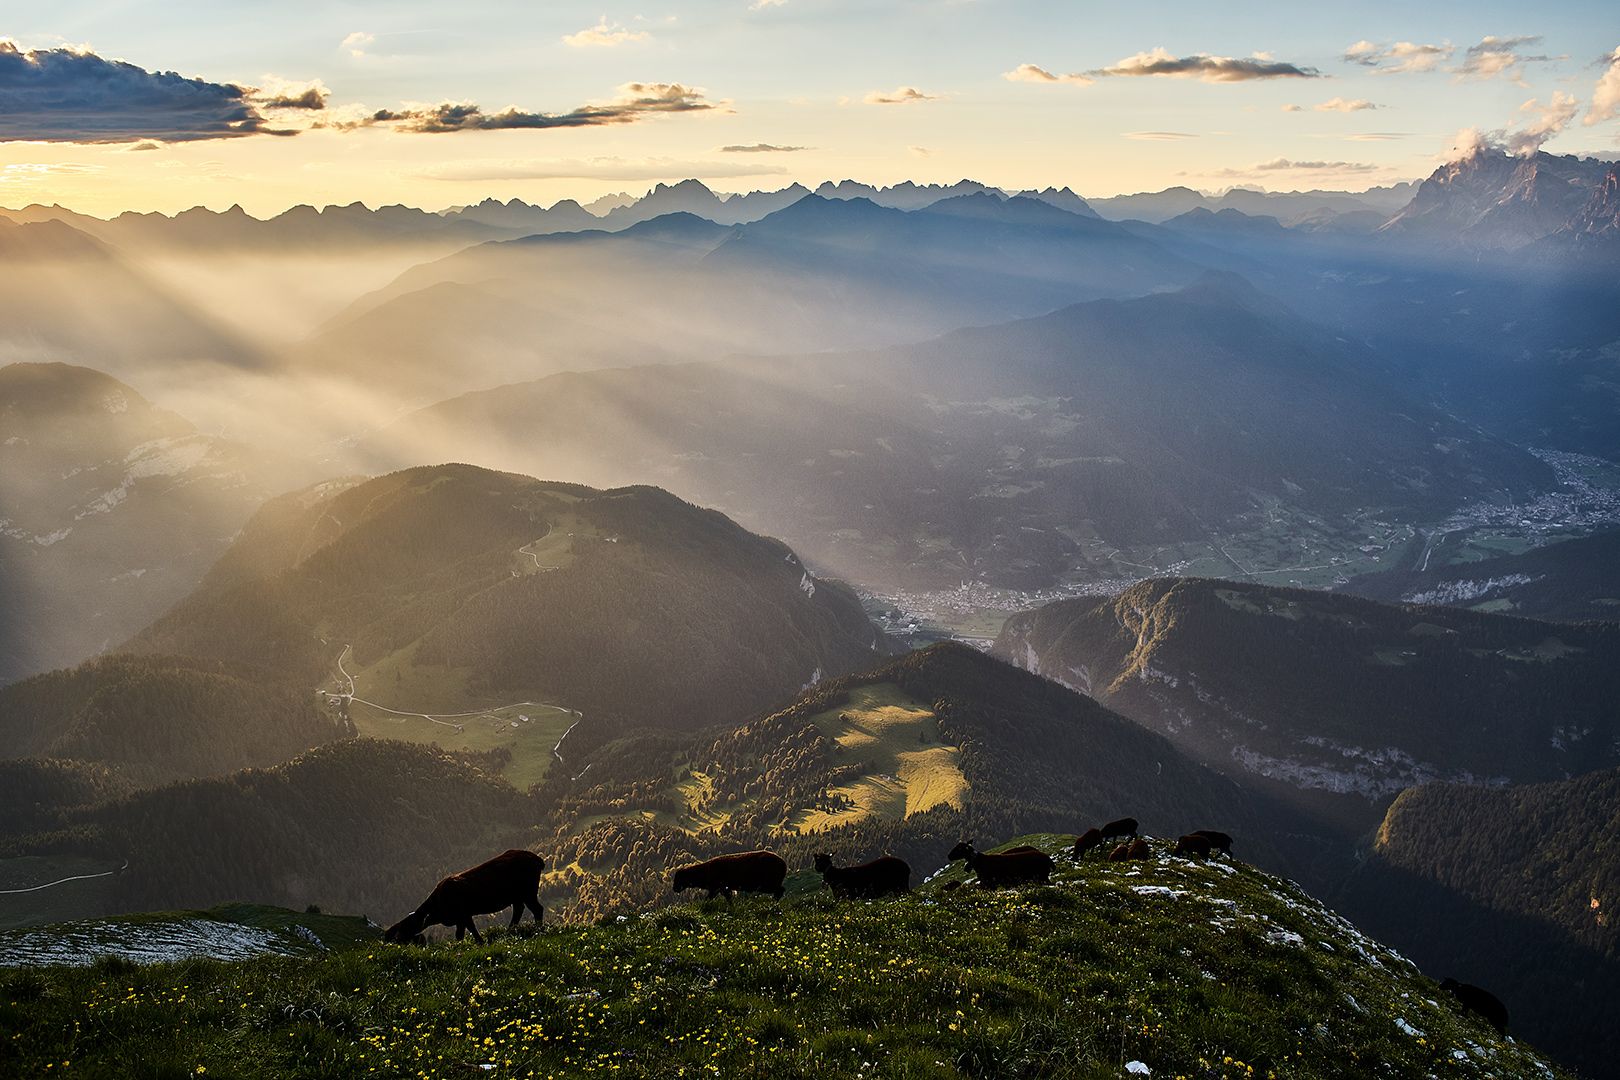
point(511, 879)
point(1086, 841)
point(1193, 845)
point(1139, 850)
point(1479, 1001)
point(1019, 866)
point(1125, 826)
point(1120, 853)
point(880, 877)
point(1218, 841)
point(745, 871)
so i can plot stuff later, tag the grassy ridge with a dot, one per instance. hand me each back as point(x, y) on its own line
point(1191, 969)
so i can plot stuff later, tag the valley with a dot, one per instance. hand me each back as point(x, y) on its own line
point(553, 503)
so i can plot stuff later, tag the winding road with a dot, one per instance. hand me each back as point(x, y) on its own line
point(64, 881)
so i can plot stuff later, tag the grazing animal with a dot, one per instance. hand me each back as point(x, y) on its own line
point(1194, 845)
point(1479, 1001)
point(1020, 866)
point(1086, 841)
point(1218, 841)
point(511, 879)
point(880, 877)
point(1125, 826)
point(1120, 853)
point(745, 871)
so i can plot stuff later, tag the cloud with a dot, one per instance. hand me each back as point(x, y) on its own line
point(1279, 164)
point(1204, 67)
point(356, 43)
point(1399, 58)
point(1549, 120)
point(73, 95)
point(1340, 104)
point(603, 36)
point(761, 5)
point(635, 102)
point(281, 94)
point(1545, 122)
point(919, 151)
point(601, 168)
point(1495, 56)
point(1034, 74)
point(762, 148)
point(24, 172)
point(904, 95)
point(1287, 165)
point(1159, 136)
point(1376, 136)
point(1293, 108)
point(1606, 94)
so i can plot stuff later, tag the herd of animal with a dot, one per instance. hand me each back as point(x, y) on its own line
point(512, 879)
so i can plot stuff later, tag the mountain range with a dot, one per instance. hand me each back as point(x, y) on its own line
point(1003, 453)
point(1567, 581)
point(113, 509)
point(1334, 702)
point(821, 273)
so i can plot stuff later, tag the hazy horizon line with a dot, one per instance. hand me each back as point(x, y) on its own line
point(724, 195)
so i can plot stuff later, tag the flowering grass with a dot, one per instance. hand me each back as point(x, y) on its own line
point(1180, 968)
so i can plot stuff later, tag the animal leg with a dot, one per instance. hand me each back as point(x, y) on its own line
point(539, 911)
point(461, 931)
point(474, 928)
point(517, 913)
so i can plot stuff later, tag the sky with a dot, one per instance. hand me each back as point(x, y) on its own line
point(436, 104)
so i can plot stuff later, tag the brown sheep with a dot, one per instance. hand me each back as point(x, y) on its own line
point(1218, 841)
point(880, 877)
point(1480, 1002)
point(745, 871)
point(1120, 853)
point(1125, 826)
point(1139, 850)
point(1086, 842)
point(1019, 866)
point(511, 879)
point(1193, 845)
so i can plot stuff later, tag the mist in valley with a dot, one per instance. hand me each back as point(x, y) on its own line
point(815, 516)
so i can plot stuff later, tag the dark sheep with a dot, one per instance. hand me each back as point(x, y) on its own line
point(511, 879)
point(1125, 826)
point(1086, 842)
point(1019, 866)
point(1479, 1001)
point(1218, 841)
point(880, 877)
point(745, 871)
point(1193, 845)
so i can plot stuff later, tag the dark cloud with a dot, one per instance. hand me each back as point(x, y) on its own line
point(1204, 67)
point(64, 95)
point(308, 97)
point(761, 148)
point(637, 100)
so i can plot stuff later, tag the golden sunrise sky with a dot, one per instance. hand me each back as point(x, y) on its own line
point(1018, 93)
